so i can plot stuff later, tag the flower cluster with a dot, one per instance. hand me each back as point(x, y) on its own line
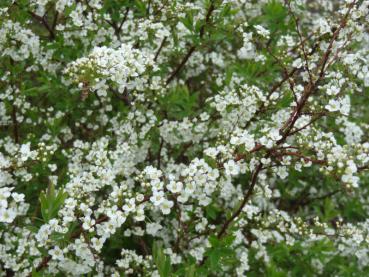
point(214, 138)
point(124, 67)
point(11, 205)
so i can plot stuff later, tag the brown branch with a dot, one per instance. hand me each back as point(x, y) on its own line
point(274, 88)
point(123, 20)
point(122, 96)
point(118, 29)
point(329, 194)
point(244, 201)
point(302, 41)
point(159, 152)
point(193, 47)
point(15, 124)
point(181, 65)
point(308, 124)
point(44, 22)
point(310, 87)
point(53, 26)
point(308, 90)
point(325, 58)
point(299, 155)
point(160, 48)
point(286, 74)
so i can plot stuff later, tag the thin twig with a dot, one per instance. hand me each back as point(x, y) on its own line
point(193, 47)
point(15, 124)
point(160, 48)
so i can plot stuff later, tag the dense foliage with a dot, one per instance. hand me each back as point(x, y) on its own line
point(184, 138)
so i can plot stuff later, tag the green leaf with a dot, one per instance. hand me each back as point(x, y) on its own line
point(179, 103)
point(188, 21)
point(211, 212)
point(190, 271)
point(35, 273)
point(141, 7)
point(51, 202)
point(37, 90)
point(161, 260)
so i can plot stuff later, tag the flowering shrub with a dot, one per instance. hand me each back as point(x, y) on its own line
point(184, 138)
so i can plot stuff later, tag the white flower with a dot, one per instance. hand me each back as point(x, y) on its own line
point(25, 151)
point(153, 228)
point(345, 105)
point(282, 172)
point(152, 172)
point(247, 140)
point(183, 197)
point(4, 195)
point(56, 253)
point(333, 90)
point(157, 184)
point(322, 25)
point(333, 105)
point(350, 179)
point(18, 197)
point(129, 205)
point(157, 198)
point(140, 214)
point(190, 187)
point(213, 174)
point(166, 206)
point(98, 243)
point(175, 187)
point(204, 200)
point(231, 168)
point(140, 197)
point(88, 223)
point(7, 215)
point(274, 134)
point(235, 140)
point(351, 167)
point(262, 31)
point(211, 152)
